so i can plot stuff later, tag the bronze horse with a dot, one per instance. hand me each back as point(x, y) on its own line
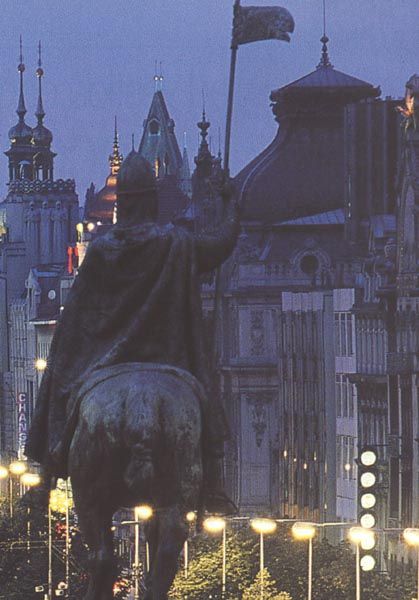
point(138, 440)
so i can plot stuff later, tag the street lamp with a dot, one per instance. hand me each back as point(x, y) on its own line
point(29, 480)
point(40, 364)
point(17, 468)
point(411, 537)
point(365, 539)
point(141, 513)
point(218, 525)
point(4, 473)
point(306, 531)
point(61, 502)
point(190, 517)
point(263, 527)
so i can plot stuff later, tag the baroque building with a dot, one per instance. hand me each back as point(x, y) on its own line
point(302, 370)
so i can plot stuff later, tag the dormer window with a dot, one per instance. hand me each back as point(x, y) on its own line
point(154, 127)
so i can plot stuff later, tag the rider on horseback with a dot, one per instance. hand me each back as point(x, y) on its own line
point(136, 299)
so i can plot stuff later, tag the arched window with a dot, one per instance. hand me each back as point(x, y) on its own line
point(154, 127)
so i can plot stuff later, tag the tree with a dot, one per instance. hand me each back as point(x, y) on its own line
point(270, 591)
point(205, 568)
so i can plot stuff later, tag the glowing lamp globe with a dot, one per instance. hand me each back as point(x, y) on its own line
point(368, 479)
point(214, 524)
point(143, 512)
point(17, 467)
point(411, 536)
point(368, 458)
point(30, 479)
point(368, 543)
point(367, 562)
point(368, 501)
point(40, 364)
point(264, 526)
point(303, 531)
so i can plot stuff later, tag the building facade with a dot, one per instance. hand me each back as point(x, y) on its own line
point(38, 220)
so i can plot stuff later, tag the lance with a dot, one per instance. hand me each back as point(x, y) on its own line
point(217, 292)
point(233, 60)
point(261, 23)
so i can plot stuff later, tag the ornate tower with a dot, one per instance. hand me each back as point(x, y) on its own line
point(43, 160)
point(100, 206)
point(160, 147)
point(158, 143)
point(22, 151)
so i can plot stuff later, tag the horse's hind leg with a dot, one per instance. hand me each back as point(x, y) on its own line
point(171, 535)
point(96, 529)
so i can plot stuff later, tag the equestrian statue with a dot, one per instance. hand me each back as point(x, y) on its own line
point(126, 407)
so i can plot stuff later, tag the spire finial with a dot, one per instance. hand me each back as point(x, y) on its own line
point(116, 158)
point(324, 59)
point(161, 78)
point(40, 113)
point(219, 142)
point(204, 126)
point(184, 140)
point(21, 108)
point(203, 104)
point(132, 142)
point(158, 78)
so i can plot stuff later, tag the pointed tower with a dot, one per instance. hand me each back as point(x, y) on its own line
point(100, 207)
point(42, 137)
point(185, 173)
point(204, 209)
point(21, 150)
point(158, 143)
point(160, 147)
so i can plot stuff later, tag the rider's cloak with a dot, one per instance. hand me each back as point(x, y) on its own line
point(136, 298)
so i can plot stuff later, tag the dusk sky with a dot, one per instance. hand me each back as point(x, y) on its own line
point(99, 56)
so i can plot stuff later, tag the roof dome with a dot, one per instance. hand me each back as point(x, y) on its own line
point(301, 172)
point(21, 133)
point(41, 135)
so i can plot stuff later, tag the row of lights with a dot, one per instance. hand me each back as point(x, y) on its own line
point(19, 469)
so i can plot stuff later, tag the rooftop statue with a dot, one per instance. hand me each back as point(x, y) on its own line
point(124, 407)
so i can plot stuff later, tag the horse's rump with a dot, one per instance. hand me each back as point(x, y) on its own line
point(138, 435)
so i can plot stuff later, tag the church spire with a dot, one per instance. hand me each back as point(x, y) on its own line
point(21, 108)
point(40, 113)
point(116, 158)
point(204, 159)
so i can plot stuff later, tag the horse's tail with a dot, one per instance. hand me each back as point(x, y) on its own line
point(139, 473)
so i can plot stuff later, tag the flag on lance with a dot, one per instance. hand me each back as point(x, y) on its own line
point(256, 23)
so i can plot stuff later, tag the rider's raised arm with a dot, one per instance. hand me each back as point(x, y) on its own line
point(214, 247)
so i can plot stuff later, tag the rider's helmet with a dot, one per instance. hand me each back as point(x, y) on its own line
point(136, 189)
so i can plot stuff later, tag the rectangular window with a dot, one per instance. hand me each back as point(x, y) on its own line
point(344, 334)
point(351, 393)
point(338, 391)
point(339, 456)
point(344, 396)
